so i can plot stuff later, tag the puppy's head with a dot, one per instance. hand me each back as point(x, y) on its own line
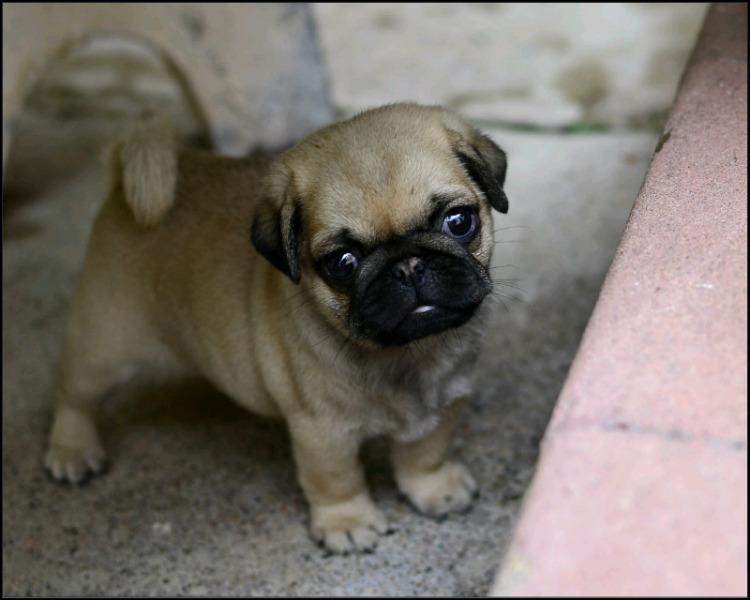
point(386, 220)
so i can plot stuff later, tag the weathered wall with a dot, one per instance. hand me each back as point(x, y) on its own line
point(254, 71)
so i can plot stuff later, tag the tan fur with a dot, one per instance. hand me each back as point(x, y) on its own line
point(145, 164)
point(171, 280)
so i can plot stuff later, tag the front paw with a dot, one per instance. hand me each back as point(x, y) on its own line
point(450, 488)
point(351, 526)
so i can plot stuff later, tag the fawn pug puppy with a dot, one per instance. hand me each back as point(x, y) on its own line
point(339, 286)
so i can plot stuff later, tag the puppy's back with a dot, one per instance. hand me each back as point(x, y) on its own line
point(172, 234)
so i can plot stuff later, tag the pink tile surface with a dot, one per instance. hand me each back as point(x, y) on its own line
point(666, 347)
point(642, 482)
point(634, 514)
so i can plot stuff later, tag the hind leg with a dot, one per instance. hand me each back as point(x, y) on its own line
point(98, 354)
point(74, 445)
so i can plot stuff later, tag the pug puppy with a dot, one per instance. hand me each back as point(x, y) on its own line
point(340, 286)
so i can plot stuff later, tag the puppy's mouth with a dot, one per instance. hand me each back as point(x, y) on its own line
point(410, 324)
point(425, 320)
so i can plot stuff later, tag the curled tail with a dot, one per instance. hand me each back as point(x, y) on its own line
point(144, 164)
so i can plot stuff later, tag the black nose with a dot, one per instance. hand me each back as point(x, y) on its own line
point(409, 272)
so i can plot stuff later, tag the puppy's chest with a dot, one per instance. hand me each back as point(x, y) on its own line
point(407, 403)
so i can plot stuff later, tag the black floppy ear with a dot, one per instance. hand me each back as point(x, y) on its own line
point(485, 162)
point(275, 233)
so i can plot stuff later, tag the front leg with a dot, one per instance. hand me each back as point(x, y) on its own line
point(434, 485)
point(343, 516)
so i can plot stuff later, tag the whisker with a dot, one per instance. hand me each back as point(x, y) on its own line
point(499, 299)
point(496, 291)
point(323, 339)
point(346, 341)
point(507, 297)
point(511, 227)
point(296, 294)
point(287, 311)
point(456, 338)
point(510, 285)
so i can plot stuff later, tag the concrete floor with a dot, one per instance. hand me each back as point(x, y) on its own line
point(201, 497)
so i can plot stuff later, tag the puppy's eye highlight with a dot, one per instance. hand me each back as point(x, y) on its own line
point(460, 223)
point(341, 264)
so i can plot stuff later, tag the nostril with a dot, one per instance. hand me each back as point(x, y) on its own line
point(416, 269)
point(409, 272)
point(399, 273)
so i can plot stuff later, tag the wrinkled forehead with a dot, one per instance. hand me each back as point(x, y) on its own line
point(373, 196)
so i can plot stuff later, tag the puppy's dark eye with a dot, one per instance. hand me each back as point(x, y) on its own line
point(460, 223)
point(341, 264)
